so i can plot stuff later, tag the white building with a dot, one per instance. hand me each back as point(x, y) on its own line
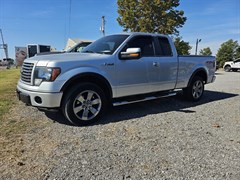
point(71, 42)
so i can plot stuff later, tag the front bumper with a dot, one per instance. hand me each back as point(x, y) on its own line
point(38, 99)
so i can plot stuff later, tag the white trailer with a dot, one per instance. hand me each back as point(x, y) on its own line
point(33, 49)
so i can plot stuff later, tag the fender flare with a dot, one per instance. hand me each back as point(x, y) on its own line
point(89, 77)
point(201, 72)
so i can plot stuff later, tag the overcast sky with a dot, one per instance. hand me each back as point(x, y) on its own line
point(52, 22)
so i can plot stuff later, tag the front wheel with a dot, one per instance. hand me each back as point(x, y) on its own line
point(84, 104)
point(227, 68)
point(195, 90)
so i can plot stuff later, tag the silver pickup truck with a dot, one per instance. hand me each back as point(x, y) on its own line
point(114, 70)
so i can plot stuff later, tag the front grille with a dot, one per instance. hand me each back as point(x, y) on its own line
point(26, 72)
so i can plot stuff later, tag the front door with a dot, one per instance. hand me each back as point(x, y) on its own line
point(132, 74)
point(236, 64)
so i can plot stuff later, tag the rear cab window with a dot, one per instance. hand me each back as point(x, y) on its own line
point(163, 47)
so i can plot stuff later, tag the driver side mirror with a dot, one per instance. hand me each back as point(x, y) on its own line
point(131, 53)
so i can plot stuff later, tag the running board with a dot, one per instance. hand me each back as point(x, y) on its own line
point(125, 101)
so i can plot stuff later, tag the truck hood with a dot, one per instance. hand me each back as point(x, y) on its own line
point(65, 57)
point(229, 62)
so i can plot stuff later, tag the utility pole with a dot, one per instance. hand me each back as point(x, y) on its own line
point(198, 41)
point(102, 28)
point(4, 46)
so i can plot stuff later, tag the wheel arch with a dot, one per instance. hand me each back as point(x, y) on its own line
point(227, 65)
point(94, 78)
point(201, 73)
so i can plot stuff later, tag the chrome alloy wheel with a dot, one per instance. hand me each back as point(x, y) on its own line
point(197, 89)
point(87, 105)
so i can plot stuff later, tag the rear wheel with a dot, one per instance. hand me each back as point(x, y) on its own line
point(84, 104)
point(195, 90)
point(227, 68)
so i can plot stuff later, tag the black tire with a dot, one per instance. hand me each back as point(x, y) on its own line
point(234, 70)
point(84, 104)
point(195, 89)
point(227, 68)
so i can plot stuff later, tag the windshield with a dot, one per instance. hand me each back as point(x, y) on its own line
point(105, 45)
point(79, 47)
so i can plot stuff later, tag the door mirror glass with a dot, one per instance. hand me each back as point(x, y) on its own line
point(131, 53)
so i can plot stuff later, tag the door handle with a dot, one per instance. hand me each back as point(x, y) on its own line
point(156, 64)
point(108, 64)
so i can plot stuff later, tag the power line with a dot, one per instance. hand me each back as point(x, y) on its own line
point(69, 18)
point(67, 21)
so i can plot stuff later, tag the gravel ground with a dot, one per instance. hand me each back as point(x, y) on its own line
point(168, 138)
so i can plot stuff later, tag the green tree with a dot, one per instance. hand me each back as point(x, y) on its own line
point(227, 52)
point(237, 54)
point(152, 16)
point(206, 51)
point(183, 48)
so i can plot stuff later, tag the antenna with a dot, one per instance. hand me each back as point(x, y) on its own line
point(102, 28)
point(3, 45)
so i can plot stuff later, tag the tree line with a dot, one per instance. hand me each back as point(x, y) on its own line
point(228, 51)
point(161, 16)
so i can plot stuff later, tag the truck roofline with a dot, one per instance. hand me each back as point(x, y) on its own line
point(139, 33)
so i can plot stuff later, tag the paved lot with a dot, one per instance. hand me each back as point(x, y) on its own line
point(162, 139)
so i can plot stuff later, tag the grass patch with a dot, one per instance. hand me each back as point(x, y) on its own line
point(10, 124)
point(14, 125)
point(8, 82)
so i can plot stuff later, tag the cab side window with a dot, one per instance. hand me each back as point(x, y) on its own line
point(164, 48)
point(143, 42)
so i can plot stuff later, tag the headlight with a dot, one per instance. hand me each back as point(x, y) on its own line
point(45, 74)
